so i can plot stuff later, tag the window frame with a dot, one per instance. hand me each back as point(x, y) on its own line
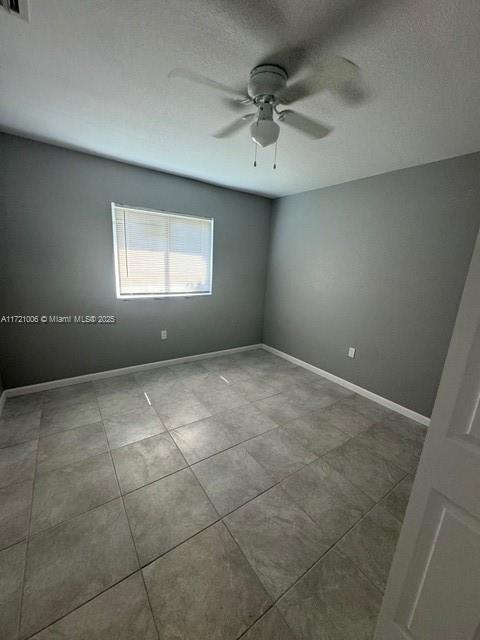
point(157, 296)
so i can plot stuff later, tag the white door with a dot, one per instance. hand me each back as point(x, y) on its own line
point(433, 591)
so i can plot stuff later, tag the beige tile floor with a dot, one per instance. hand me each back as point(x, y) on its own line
point(238, 496)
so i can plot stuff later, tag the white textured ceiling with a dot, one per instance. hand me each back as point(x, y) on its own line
point(92, 74)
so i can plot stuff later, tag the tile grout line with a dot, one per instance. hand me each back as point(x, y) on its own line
point(272, 607)
point(331, 548)
point(65, 615)
point(77, 515)
point(29, 536)
point(237, 444)
point(192, 464)
point(188, 465)
point(131, 533)
point(248, 401)
point(251, 374)
point(274, 602)
point(125, 493)
point(220, 519)
point(273, 599)
point(37, 440)
point(314, 522)
point(14, 544)
point(141, 568)
point(72, 464)
point(38, 473)
point(169, 432)
point(337, 542)
point(27, 543)
point(367, 513)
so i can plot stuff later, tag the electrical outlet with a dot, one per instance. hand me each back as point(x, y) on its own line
point(163, 335)
point(351, 352)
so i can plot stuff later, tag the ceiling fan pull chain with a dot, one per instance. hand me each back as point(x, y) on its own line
point(275, 157)
point(256, 147)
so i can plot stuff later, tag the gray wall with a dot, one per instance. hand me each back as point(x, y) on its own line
point(56, 258)
point(378, 264)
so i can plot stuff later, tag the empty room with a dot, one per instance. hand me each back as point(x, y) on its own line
point(239, 320)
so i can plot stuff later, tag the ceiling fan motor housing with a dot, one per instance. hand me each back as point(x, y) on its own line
point(266, 80)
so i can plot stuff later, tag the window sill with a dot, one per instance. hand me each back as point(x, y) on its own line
point(164, 297)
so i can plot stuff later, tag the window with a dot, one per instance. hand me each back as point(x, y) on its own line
point(159, 254)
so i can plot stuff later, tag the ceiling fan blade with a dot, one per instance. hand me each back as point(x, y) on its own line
point(352, 93)
point(236, 104)
point(309, 127)
point(348, 85)
point(343, 78)
point(192, 76)
point(301, 89)
point(332, 22)
point(233, 127)
point(344, 17)
point(291, 58)
point(339, 75)
point(263, 20)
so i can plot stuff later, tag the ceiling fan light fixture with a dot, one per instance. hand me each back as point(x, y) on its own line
point(264, 132)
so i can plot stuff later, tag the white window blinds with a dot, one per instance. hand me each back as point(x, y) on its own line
point(161, 254)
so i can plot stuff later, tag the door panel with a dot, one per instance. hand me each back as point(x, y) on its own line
point(432, 608)
point(433, 591)
point(466, 416)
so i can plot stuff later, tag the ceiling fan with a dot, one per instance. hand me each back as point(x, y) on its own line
point(293, 64)
point(268, 90)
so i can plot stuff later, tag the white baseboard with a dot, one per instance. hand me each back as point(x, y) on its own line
point(53, 384)
point(353, 387)
point(88, 377)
